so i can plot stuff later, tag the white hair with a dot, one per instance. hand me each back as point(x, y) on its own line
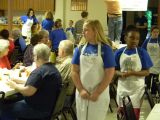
point(42, 51)
point(4, 44)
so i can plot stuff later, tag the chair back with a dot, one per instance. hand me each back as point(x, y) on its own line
point(2, 95)
point(60, 101)
point(149, 97)
point(128, 108)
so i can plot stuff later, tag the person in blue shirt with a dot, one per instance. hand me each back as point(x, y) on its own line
point(152, 45)
point(70, 31)
point(133, 65)
point(48, 22)
point(57, 35)
point(27, 21)
point(93, 66)
point(40, 90)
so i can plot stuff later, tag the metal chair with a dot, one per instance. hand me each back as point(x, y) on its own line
point(69, 106)
point(149, 97)
point(128, 108)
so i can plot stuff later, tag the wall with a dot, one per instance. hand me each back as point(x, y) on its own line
point(96, 10)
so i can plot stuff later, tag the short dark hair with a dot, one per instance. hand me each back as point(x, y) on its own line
point(154, 27)
point(84, 14)
point(4, 34)
point(131, 28)
point(35, 39)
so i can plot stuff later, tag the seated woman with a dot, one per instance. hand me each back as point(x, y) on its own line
point(4, 48)
point(28, 55)
point(40, 91)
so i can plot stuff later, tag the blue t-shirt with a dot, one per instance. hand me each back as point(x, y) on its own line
point(25, 17)
point(144, 57)
point(150, 40)
point(47, 24)
point(72, 29)
point(48, 81)
point(106, 51)
point(56, 36)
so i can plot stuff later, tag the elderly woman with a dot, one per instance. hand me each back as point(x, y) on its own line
point(4, 48)
point(40, 91)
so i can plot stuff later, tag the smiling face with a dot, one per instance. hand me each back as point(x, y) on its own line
point(132, 39)
point(155, 33)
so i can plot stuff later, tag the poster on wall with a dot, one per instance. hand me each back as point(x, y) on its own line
point(134, 5)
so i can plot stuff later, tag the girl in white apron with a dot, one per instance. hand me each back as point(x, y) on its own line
point(92, 73)
point(28, 20)
point(132, 71)
point(153, 48)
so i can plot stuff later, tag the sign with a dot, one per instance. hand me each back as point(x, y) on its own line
point(134, 5)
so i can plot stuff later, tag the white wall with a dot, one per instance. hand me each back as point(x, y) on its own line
point(96, 10)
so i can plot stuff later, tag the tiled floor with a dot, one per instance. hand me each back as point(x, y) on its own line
point(145, 109)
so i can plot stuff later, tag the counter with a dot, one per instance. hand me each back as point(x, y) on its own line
point(14, 26)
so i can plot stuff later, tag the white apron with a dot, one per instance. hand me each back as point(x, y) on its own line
point(91, 74)
point(153, 50)
point(26, 28)
point(132, 86)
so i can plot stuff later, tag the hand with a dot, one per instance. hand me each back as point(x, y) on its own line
point(12, 84)
point(94, 97)
point(84, 94)
point(127, 74)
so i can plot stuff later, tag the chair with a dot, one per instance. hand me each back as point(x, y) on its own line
point(128, 108)
point(2, 95)
point(149, 97)
point(69, 106)
point(57, 110)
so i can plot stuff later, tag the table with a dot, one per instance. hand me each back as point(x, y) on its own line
point(155, 113)
point(6, 89)
point(3, 80)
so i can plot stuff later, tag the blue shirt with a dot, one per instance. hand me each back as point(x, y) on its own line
point(144, 57)
point(56, 36)
point(72, 29)
point(106, 51)
point(25, 17)
point(150, 40)
point(48, 81)
point(47, 24)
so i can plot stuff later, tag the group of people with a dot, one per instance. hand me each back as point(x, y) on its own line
point(91, 68)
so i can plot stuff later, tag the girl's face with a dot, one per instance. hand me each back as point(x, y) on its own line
point(70, 23)
point(31, 13)
point(89, 34)
point(132, 39)
point(155, 33)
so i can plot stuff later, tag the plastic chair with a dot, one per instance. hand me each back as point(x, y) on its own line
point(128, 108)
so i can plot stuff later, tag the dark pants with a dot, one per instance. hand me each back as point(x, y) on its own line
point(20, 109)
point(151, 82)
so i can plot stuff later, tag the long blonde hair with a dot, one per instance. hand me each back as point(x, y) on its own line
point(99, 33)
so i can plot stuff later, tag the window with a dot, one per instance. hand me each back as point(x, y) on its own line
point(79, 5)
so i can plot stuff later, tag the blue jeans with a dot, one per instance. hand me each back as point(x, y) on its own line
point(20, 109)
point(115, 27)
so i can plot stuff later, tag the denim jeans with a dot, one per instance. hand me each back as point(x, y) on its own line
point(20, 109)
point(115, 27)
